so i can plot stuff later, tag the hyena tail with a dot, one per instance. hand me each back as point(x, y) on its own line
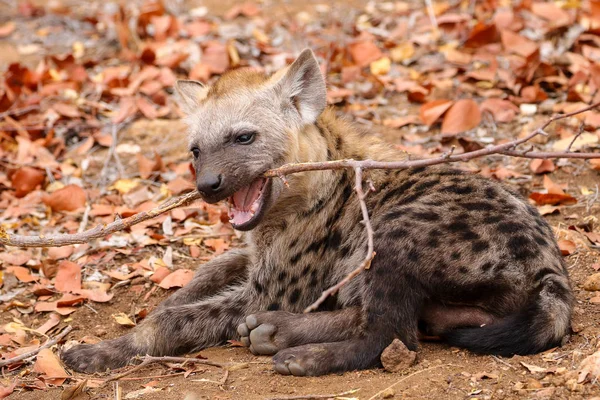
point(540, 325)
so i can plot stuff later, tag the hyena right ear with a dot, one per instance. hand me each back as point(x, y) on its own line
point(189, 95)
point(304, 85)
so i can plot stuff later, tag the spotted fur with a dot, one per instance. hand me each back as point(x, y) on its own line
point(458, 256)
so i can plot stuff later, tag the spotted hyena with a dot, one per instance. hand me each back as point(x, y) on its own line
point(458, 256)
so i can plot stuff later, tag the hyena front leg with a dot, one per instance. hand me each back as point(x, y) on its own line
point(212, 277)
point(268, 332)
point(169, 331)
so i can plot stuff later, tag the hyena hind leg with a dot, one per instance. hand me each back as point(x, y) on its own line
point(169, 331)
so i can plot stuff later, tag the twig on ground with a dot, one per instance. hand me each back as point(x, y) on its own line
point(407, 377)
point(32, 353)
point(314, 396)
point(579, 133)
point(97, 232)
point(501, 361)
point(370, 252)
point(18, 111)
point(148, 360)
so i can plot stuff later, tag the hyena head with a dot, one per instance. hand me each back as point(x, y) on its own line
point(246, 124)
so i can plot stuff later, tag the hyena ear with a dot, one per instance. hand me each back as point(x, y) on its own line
point(189, 95)
point(304, 84)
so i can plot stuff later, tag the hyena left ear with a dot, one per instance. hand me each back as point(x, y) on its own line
point(304, 84)
point(189, 94)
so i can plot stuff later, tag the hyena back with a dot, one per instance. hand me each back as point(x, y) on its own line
point(458, 256)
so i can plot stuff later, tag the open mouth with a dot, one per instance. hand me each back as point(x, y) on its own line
point(246, 205)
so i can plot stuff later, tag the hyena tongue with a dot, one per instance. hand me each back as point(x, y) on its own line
point(244, 199)
point(245, 202)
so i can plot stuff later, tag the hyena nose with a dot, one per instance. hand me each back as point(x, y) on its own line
point(210, 183)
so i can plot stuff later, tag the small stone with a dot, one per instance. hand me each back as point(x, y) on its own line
point(397, 357)
point(592, 283)
point(533, 384)
point(388, 393)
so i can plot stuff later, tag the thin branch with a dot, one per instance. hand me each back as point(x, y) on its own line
point(100, 231)
point(366, 264)
point(97, 232)
point(148, 360)
point(32, 353)
point(314, 396)
point(579, 133)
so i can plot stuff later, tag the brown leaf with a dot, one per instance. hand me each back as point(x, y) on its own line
point(551, 12)
point(74, 392)
point(23, 274)
point(464, 115)
point(160, 274)
point(15, 257)
point(517, 44)
point(552, 198)
point(431, 111)
point(216, 57)
point(57, 253)
point(127, 108)
point(6, 391)
point(147, 166)
point(67, 110)
point(96, 295)
point(552, 187)
point(219, 245)
point(147, 108)
point(123, 319)
point(481, 35)
point(47, 364)
point(53, 320)
point(68, 277)
point(178, 278)
point(364, 52)
point(539, 166)
point(7, 28)
point(69, 198)
point(27, 179)
point(502, 110)
point(566, 247)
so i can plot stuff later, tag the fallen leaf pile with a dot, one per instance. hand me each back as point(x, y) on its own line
point(87, 79)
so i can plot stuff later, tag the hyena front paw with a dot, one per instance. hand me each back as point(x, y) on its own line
point(266, 333)
point(90, 358)
point(307, 360)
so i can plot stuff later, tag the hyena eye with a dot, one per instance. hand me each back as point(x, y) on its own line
point(246, 138)
point(196, 152)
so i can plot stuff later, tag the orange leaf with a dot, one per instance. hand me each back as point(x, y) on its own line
point(551, 12)
point(539, 166)
point(566, 247)
point(53, 320)
point(26, 179)
point(96, 295)
point(432, 110)
point(462, 116)
point(219, 245)
point(552, 198)
point(68, 277)
point(160, 274)
point(552, 187)
point(595, 163)
point(57, 253)
point(15, 257)
point(23, 274)
point(363, 53)
point(502, 110)
point(216, 57)
point(127, 108)
point(69, 198)
point(47, 364)
point(179, 278)
point(6, 391)
point(515, 43)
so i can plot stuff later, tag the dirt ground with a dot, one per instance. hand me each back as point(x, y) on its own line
point(440, 372)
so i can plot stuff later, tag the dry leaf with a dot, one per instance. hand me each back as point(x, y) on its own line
point(364, 53)
point(533, 368)
point(23, 274)
point(27, 179)
point(431, 111)
point(589, 369)
point(47, 364)
point(219, 245)
point(123, 319)
point(566, 247)
point(552, 199)
point(69, 198)
point(74, 392)
point(178, 278)
point(68, 277)
point(539, 166)
point(464, 115)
